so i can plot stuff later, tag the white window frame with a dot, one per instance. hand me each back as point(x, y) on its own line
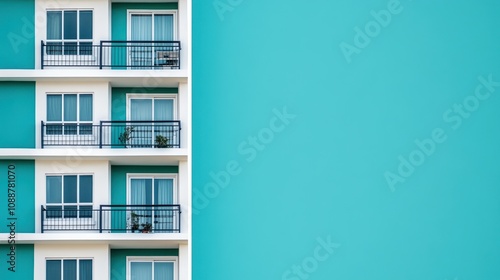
point(77, 110)
point(150, 12)
point(70, 57)
point(131, 96)
point(153, 176)
point(173, 259)
point(85, 221)
point(70, 258)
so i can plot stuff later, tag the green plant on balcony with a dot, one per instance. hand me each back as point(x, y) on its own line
point(161, 141)
point(126, 135)
point(133, 221)
point(146, 227)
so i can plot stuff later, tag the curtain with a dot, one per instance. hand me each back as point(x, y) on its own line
point(141, 194)
point(54, 107)
point(164, 191)
point(70, 107)
point(164, 109)
point(141, 110)
point(141, 28)
point(53, 269)
point(141, 271)
point(69, 269)
point(85, 270)
point(85, 107)
point(54, 25)
point(164, 28)
point(164, 271)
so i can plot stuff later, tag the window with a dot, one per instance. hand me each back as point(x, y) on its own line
point(153, 110)
point(152, 190)
point(68, 269)
point(69, 196)
point(69, 32)
point(69, 114)
point(154, 268)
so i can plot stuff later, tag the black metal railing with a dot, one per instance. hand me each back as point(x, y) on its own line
point(119, 134)
point(113, 54)
point(163, 218)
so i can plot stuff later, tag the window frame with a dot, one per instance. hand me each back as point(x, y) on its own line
point(152, 176)
point(171, 96)
point(62, 41)
point(77, 259)
point(63, 122)
point(78, 204)
point(131, 12)
point(152, 259)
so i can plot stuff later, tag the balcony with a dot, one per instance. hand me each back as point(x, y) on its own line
point(114, 134)
point(112, 218)
point(136, 55)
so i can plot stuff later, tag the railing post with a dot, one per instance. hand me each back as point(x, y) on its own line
point(100, 55)
point(179, 208)
point(41, 136)
point(100, 218)
point(41, 219)
point(41, 55)
point(100, 135)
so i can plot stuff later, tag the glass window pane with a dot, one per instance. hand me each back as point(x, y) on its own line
point(85, 211)
point(85, 24)
point(86, 48)
point(53, 269)
point(54, 48)
point(140, 109)
point(70, 25)
point(53, 189)
point(54, 24)
point(141, 270)
point(54, 107)
point(70, 107)
point(70, 211)
point(85, 107)
point(70, 189)
point(85, 270)
point(86, 188)
point(70, 48)
point(164, 110)
point(164, 271)
point(69, 269)
point(54, 212)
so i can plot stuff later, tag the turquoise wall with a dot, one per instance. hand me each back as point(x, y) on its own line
point(17, 35)
point(119, 259)
point(292, 143)
point(24, 262)
point(119, 178)
point(17, 110)
point(23, 173)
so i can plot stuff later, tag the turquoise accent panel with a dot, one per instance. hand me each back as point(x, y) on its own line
point(18, 178)
point(17, 110)
point(292, 143)
point(119, 259)
point(119, 178)
point(17, 264)
point(17, 30)
point(119, 22)
point(119, 99)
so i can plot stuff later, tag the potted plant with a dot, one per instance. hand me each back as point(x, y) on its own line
point(134, 221)
point(161, 141)
point(146, 227)
point(126, 135)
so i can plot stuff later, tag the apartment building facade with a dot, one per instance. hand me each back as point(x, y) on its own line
point(95, 170)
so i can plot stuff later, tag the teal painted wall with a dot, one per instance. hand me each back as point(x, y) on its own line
point(119, 178)
point(17, 110)
point(23, 173)
point(321, 173)
point(17, 34)
point(119, 15)
point(119, 99)
point(119, 259)
point(24, 262)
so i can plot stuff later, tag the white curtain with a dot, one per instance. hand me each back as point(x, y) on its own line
point(164, 28)
point(164, 271)
point(139, 191)
point(141, 271)
point(164, 191)
point(54, 107)
point(141, 28)
point(140, 109)
point(54, 25)
point(164, 109)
